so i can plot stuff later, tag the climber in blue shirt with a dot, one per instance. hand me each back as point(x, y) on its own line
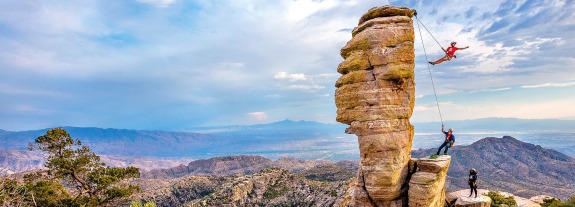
point(449, 140)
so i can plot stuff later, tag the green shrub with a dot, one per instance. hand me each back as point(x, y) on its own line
point(433, 156)
point(139, 204)
point(553, 202)
point(333, 193)
point(276, 190)
point(498, 200)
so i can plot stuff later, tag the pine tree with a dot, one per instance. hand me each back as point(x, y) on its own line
point(95, 183)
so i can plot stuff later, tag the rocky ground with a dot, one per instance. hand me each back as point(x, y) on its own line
point(269, 187)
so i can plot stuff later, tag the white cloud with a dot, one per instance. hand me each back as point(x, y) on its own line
point(306, 88)
point(190, 54)
point(290, 77)
point(258, 116)
point(526, 110)
point(159, 3)
point(325, 76)
point(567, 84)
point(491, 90)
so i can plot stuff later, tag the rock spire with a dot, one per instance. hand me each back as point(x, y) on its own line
point(375, 96)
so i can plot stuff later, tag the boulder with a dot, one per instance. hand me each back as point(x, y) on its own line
point(427, 184)
point(461, 198)
point(480, 201)
point(540, 199)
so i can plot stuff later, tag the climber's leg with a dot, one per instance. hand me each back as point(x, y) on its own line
point(444, 58)
point(442, 145)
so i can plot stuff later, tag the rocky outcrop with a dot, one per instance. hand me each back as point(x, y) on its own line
point(375, 96)
point(480, 201)
point(269, 187)
point(461, 199)
point(274, 187)
point(540, 199)
point(241, 164)
point(426, 186)
point(226, 165)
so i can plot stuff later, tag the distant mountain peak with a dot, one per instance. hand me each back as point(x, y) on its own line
point(510, 165)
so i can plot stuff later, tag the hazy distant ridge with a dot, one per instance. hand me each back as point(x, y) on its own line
point(300, 139)
point(120, 141)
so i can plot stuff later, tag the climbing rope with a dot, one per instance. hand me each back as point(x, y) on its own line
point(429, 68)
point(419, 22)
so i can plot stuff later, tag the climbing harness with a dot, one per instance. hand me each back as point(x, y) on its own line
point(427, 60)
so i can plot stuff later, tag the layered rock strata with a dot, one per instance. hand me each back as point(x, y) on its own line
point(375, 96)
point(426, 186)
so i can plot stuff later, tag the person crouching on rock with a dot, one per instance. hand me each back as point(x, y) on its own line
point(472, 182)
point(449, 140)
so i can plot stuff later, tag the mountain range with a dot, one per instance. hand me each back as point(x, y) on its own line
point(299, 139)
point(122, 142)
point(502, 125)
point(504, 164)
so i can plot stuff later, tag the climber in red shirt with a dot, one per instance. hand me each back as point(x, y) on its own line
point(449, 53)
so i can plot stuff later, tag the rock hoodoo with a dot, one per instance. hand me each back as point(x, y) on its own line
point(375, 96)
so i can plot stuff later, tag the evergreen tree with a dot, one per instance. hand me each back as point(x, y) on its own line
point(35, 191)
point(95, 183)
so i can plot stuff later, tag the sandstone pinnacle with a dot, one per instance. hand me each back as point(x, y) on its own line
point(375, 96)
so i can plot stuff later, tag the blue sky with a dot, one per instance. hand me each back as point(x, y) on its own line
point(172, 64)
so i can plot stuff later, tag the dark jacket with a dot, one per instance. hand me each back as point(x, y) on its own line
point(472, 179)
point(451, 139)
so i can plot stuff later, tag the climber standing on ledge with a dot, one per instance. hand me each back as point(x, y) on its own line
point(449, 53)
point(449, 140)
point(472, 181)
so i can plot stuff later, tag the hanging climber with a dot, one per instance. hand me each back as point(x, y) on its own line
point(449, 140)
point(449, 53)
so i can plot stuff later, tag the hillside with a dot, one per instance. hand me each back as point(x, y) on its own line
point(247, 165)
point(510, 165)
point(14, 161)
point(269, 187)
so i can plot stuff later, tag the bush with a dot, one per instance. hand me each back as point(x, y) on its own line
point(498, 200)
point(276, 190)
point(139, 204)
point(553, 202)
